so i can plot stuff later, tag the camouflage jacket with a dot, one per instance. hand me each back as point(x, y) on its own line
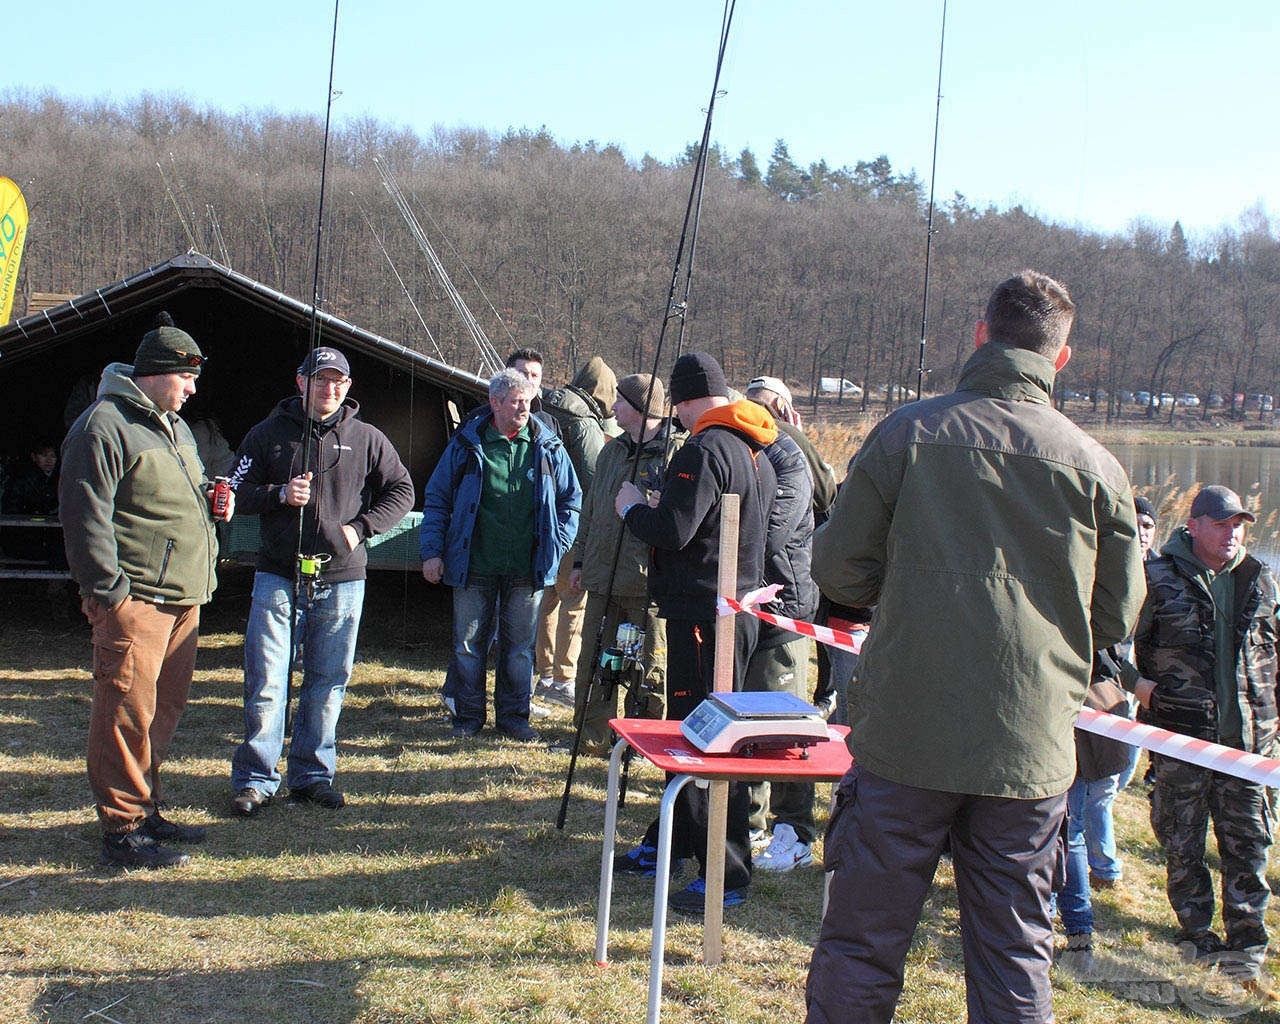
point(1174, 645)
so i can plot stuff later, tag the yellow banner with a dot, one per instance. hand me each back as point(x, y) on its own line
point(13, 233)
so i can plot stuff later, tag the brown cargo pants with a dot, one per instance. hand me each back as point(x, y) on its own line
point(143, 658)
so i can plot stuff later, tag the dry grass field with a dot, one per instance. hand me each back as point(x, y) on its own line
point(442, 893)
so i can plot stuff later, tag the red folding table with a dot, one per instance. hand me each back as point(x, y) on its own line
point(662, 744)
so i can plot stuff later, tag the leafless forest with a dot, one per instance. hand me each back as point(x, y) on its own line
point(800, 272)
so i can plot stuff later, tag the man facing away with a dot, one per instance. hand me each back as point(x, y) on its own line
point(498, 514)
point(141, 544)
point(1206, 648)
point(312, 457)
point(723, 455)
point(997, 542)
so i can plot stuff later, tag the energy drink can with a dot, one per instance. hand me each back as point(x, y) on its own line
point(628, 635)
point(221, 496)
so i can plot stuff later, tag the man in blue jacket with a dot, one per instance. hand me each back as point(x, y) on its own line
point(498, 514)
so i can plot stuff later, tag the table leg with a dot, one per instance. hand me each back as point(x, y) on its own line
point(605, 898)
point(661, 886)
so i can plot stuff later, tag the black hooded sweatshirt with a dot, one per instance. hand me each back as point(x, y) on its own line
point(358, 480)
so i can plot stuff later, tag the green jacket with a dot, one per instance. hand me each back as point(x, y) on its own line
point(584, 411)
point(599, 526)
point(132, 501)
point(998, 542)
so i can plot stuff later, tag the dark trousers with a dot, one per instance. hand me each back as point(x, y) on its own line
point(883, 846)
point(691, 657)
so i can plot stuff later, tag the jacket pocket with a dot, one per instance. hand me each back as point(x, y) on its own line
point(832, 844)
point(1262, 632)
point(1178, 626)
point(113, 664)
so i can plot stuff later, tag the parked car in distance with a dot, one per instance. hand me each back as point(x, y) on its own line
point(1216, 401)
point(1126, 397)
point(1188, 400)
point(838, 386)
point(1142, 397)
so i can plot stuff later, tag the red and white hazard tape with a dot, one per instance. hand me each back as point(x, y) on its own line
point(851, 642)
point(1251, 767)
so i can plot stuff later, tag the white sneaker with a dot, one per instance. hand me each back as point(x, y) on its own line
point(785, 852)
point(558, 691)
point(536, 710)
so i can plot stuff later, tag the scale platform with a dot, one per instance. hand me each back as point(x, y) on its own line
point(740, 723)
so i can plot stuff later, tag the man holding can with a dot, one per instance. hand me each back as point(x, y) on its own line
point(140, 539)
point(348, 484)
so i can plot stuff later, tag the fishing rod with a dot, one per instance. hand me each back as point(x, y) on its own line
point(490, 360)
point(672, 311)
point(313, 344)
point(399, 278)
point(933, 179)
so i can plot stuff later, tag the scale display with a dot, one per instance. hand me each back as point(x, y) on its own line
point(736, 723)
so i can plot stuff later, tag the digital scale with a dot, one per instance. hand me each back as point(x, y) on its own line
point(742, 723)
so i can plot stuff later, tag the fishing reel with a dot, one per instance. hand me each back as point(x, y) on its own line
point(311, 573)
point(623, 665)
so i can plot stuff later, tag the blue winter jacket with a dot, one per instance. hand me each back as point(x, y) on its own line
point(452, 497)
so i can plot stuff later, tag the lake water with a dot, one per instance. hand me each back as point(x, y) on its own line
point(1244, 470)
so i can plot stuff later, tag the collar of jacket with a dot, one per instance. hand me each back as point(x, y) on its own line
point(752, 421)
point(117, 382)
point(472, 429)
point(1005, 371)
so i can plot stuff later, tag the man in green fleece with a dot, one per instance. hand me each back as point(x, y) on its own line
point(1206, 648)
point(998, 545)
point(135, 509)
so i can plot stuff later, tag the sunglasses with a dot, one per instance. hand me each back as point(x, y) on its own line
point(191, 359)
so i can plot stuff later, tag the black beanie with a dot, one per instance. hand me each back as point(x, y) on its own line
point(696, 375)
point(1143, 507)
point(167, 349)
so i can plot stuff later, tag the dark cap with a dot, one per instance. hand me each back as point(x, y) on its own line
point(1143, 507)
point(167, 349)
point(697, 375)
point(1219, 504)
point(324, 358)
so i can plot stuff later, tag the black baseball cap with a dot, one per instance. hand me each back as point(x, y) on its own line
point(324, 358)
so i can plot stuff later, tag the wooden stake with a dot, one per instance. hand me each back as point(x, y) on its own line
point(718, 812)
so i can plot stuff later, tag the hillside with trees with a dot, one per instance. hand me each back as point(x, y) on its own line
point(802, 272)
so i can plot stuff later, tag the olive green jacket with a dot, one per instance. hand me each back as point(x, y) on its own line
point(598, 528)
point(132, 501)
point(998, 542)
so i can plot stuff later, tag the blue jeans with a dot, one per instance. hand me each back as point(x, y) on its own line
point(326, 643)
point(512, 605)
point(1075, 902)
point(1099, 826)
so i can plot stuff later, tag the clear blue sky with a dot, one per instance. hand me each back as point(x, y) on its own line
point(1092, 113)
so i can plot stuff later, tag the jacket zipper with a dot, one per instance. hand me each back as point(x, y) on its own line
point(164, 564)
